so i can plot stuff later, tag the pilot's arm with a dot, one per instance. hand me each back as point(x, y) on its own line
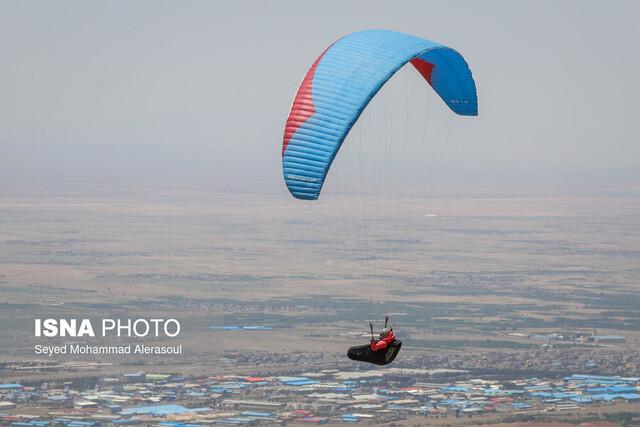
point(380, 345)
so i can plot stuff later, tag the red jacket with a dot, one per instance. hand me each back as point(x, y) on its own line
point(383, 343)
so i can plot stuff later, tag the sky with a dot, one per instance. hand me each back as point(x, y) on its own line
point(196, 93)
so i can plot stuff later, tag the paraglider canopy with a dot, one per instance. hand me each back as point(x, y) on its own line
point(340, 84)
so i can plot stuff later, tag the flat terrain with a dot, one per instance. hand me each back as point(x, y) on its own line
point(456, 274)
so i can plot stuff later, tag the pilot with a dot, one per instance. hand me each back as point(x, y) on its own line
point(386, 338)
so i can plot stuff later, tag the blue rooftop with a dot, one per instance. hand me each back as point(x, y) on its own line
point(32, 423)
point(256, 414)
point(601, 379)
point(160, 410)
point(520, 405)
point(177, 424)
point(613, 389)
point(10, 386)
point(234, 421)
point(299, 383)
point(455, 388)
point(296, 381)
point(581, 399)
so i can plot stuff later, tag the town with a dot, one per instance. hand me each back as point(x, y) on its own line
point(316, 396)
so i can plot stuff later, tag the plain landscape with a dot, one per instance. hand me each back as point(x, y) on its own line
point(463, 275)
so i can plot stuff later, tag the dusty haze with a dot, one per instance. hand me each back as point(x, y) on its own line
point(195, 94)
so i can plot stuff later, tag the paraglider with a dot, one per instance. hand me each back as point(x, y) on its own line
point(387, 337)
point(333, 94)
point(379, 352)
point(340, 84)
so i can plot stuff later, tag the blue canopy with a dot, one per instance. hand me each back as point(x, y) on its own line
point(340, 84)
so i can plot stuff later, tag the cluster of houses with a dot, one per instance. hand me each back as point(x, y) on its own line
point(326, 396)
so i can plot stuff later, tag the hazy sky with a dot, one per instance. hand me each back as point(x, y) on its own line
point(126, 93)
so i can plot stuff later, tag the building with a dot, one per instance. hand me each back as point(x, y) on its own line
point(7, 405)
point(608, 339)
